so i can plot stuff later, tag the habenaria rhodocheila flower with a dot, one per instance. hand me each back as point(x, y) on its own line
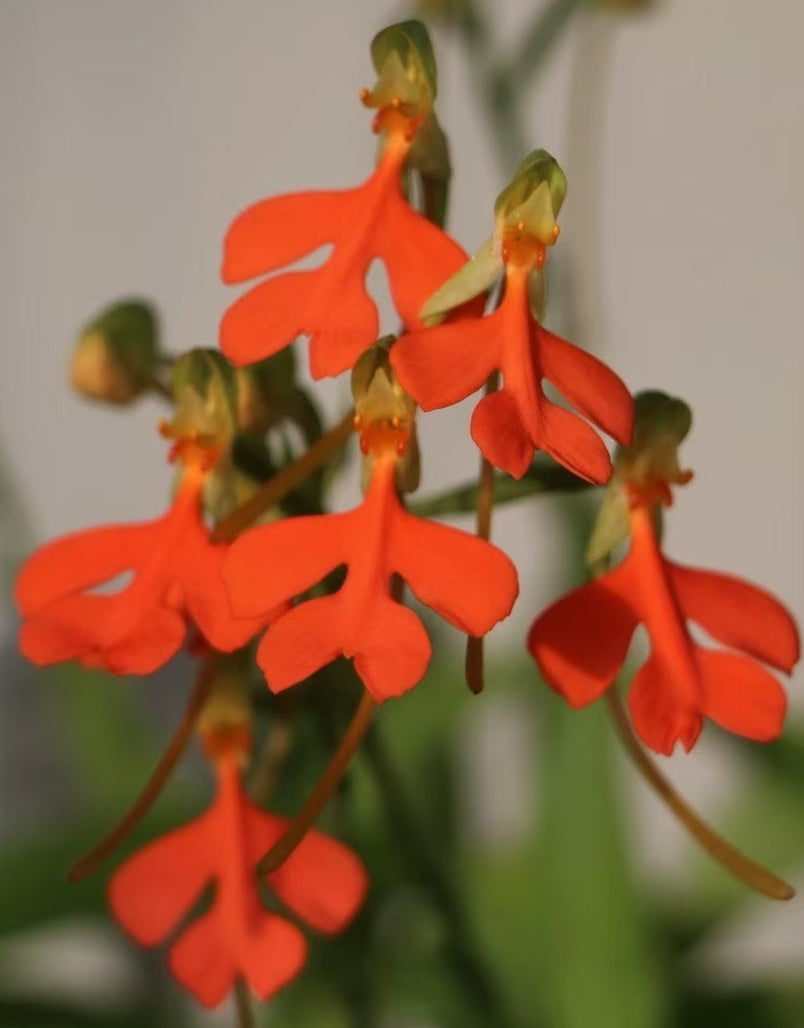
point(236, 937)
point(440, 365)
point(466, 580)
point(175, 568)
point(330, 302)
point(581, 641)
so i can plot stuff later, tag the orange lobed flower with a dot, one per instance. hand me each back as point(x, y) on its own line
point(440, 365)
point(581, 641)
point(330, 303)
point(466, 580)
point(322, 882)
point(136, 629)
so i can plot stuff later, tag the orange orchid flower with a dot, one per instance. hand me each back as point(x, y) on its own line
point(330, 303)
point(466, 580)
point(136, 629)
point(581, 641)
point(440, 365)
point(322, 882)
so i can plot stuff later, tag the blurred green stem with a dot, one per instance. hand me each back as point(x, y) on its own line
point(460, 948)
point(244, 1006)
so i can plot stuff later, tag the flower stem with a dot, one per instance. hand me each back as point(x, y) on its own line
point(244, 1006)
point(281, 484)
point(473, 665)
point(322, 790)
point(748, 871)
point(86, 864)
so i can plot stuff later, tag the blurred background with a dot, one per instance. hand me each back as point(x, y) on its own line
point(131, 133)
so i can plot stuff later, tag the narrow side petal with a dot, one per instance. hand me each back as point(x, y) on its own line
point(270, 564)
point(419, 256)
point(738, 614)
point(659, 717)
point(589, 385)
point(274, 232)
point(272, 956)
point(468, 581)
point(573, 443)
point(201, 961)
point(81, 560)
point(323, 882)
point(500, 433)
point(581, 641)
point(115, 632)
point(269, 316)
point(305, 639)
point(391, 651)
point(152, 890)
point(439, 366)
point(741, 696)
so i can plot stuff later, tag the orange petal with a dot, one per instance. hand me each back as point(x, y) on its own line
point(500, 433)
point(737, 613)
point(81, 560)
point(344, 321)
point(419, 256)
point(103, 631)
point(323, 882)
point(154, 888)
point(439, 366)
point(587, 383)
point(391, 649)
point(658, 716)
point(272, 956)
point(466, 580)
point(300, 642)
point(268, 317)
point(581, 641)
point(270, 564)
point(201, 962)
point(740, 695)
point(277, 231)
point(574, 443)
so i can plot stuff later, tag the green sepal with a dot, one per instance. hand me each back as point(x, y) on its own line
point(116, 355)
point(409, 44)
point(537, 180)
point(611, 527)
point(474, 278)
point(661, 423)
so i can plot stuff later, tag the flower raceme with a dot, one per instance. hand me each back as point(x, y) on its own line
point(236, 937)
point(442, 364)
point(466, 580)
point(374, 220)
point(136, 629)
point(581, 641)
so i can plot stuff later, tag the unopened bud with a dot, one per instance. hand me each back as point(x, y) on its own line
point(116, 356)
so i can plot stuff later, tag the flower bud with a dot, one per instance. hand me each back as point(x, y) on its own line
point(116, 356)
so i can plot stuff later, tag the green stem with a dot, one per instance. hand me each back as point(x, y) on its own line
point(424, 863)
point(538, 481)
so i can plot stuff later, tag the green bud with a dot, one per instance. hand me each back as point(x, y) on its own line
point(116, 356)
point(534, 196)
point(204, 393)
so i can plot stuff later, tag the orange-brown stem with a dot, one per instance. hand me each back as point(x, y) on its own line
point(748, 871)
point(280, 485)
point(323, 789)
point(90, 860)
point(473, 666)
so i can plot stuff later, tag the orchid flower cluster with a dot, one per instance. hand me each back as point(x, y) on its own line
point(247, 566)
